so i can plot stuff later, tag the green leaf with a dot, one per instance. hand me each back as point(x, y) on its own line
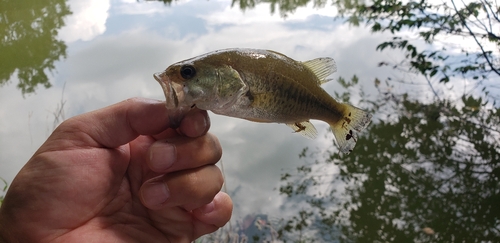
point(376, 27)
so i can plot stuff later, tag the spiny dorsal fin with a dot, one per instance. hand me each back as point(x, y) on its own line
point(304, 128)
point(322, 67)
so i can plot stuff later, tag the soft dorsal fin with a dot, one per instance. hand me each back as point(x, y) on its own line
point(322, 67)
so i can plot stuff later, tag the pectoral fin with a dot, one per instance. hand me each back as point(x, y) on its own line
point(304, 128)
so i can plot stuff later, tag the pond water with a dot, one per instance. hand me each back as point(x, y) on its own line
point(112, 49)
point(106, 51)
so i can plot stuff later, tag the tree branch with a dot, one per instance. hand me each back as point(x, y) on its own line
point(475, 39)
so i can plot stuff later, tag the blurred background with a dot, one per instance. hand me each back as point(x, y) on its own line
point(426, 170)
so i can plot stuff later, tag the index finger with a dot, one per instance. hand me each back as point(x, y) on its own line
point(121, 123)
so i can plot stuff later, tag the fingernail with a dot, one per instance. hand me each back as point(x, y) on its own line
point(196, 125)
point(201, 123)
point(208, 208)
point(155, 193)
point(161, 156)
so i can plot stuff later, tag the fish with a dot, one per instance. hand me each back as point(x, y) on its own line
point(263, 86)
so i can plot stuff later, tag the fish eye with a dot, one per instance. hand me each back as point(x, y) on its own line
point(188, 71)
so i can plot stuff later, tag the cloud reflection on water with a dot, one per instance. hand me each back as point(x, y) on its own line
point(113, 57)
point(87, 21)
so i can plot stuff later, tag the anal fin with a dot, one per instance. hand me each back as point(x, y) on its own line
point(304, 128)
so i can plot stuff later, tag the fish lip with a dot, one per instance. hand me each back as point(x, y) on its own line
point(173, 92)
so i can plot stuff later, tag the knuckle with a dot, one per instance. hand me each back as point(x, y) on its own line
point(213, 151)
point(205, 183)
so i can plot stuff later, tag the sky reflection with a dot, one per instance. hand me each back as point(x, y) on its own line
point(114, 47)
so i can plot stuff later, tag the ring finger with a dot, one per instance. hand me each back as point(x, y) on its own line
point(188, 189)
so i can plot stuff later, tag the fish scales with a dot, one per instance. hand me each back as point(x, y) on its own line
point(263, 86)
point(271, 84)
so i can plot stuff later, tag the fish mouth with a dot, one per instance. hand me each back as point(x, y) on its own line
point(174, 93)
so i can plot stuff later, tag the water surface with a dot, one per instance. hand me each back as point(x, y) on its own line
point(61, 59)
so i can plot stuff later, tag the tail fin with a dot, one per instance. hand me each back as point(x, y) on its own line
point(346, 130)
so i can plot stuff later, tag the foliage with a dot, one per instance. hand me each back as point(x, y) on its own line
point(4, 188)
point(443, 40)
point(471, 28)
point(166, 2)
point(285, 6)
point(425, 172)
point(29, 45)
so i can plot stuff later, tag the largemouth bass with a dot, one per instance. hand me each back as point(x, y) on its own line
point(263, 86)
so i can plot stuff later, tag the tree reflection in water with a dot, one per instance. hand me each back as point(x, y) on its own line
point(424, 172)
point(29, 44)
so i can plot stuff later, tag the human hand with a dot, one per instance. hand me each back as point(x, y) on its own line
point(120, 174)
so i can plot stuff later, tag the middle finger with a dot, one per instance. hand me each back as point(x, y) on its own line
point(179, 153)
